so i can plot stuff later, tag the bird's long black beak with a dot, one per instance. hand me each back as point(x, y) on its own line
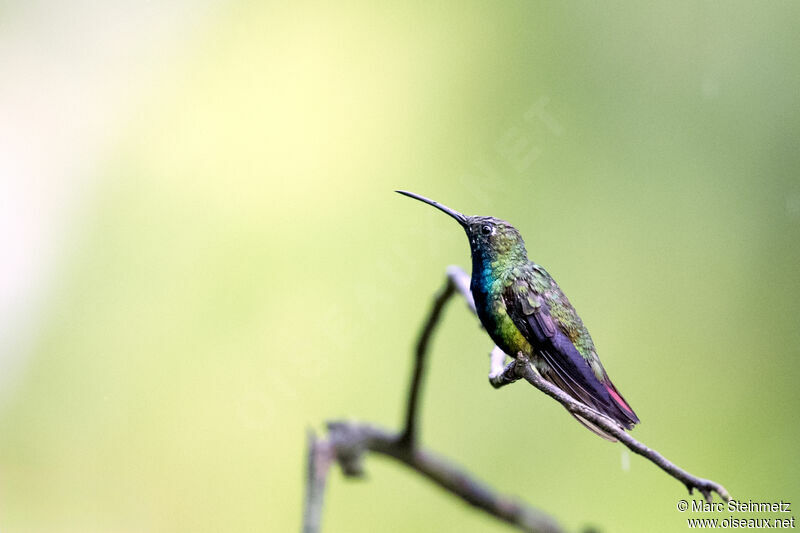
point(452, 212)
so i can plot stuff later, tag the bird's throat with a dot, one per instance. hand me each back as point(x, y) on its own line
point(489, 266)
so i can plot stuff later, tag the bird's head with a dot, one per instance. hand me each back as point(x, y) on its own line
point(489, 237)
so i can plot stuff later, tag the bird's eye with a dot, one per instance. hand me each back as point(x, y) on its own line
point(486, 230)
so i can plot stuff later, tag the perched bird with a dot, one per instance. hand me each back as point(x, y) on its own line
point(524, 310)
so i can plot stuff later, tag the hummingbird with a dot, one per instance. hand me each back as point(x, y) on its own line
point(524, 310)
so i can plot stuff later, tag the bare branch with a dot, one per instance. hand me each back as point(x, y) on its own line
point(501, 376)
point(457, 280)
point(497, 359)
point(409, 435)
point(521, 368)
point(320, 457)
point(460, 279)
point(705, 486)
point(349, 441)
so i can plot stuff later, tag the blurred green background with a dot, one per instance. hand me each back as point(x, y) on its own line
point(236, 268)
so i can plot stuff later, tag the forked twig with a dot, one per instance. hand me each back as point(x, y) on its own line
point(348, 441)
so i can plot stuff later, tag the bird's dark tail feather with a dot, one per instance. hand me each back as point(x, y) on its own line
point(630, 419)
point(573, 376)
point(594, 429)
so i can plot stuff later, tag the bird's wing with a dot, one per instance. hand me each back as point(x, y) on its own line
point(549, 323)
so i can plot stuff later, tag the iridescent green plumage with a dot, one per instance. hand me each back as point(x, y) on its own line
point(524, 310)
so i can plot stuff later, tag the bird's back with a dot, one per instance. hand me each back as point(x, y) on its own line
point(561, 347)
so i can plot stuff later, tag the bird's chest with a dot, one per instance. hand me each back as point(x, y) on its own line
point(493, 314)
